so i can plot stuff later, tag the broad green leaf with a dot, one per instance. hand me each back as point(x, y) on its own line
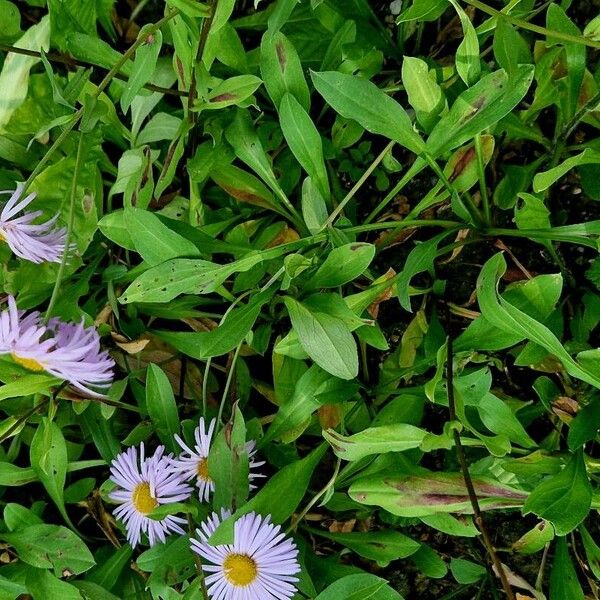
point(342, 265)
point(592, 551)
point(423, 10)
point(48, 456)
point(153, 240)
point(467, 54)
point(361, 100)
point(18, 517)
point(313, 389)
point(381, 546)
point(535, 539)
point(465, 571)
point(230, 92)
point(51, 547)
point(563, 499)
point(26, 385)
point(375, 440)
point(531, 213)
point(191, 8)
point(507, 317)
point(231, 332)
point(143, 67)
point(112, 225)
point(543, 180)
point(10, 17)
point(584, 427)
point(161, 406)
point(96, 51)
point(314, 208)
point(304, 141)
point(326, 339)
point(424, 94)
point(288, 485)
point(427, 493)
point(510, 49)
point(14, 77)
point(281, 70)
point(564, 583)
point(363, 586)
point(182, 276)
point(42, 585)
point(228, 464)
point(479, 107)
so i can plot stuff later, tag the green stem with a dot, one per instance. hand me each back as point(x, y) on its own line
point(471, 208)
point(402, 224)
point(101, 87)
point(485, 201)
point(340, 207)
point(66, 251)
point(559, 35)
point(414, 169)
point(228, 382)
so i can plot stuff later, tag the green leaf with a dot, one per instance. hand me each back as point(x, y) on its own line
point(143, 67)
point(426, 493)
point(221, 340)
point(424, 94)
point(359, 99)
point(314, 208)
point(228, 464)
point(564, 583)
point(510, 49)
point(465, 571)
point(304, 141)
point(161, 406)
point(288, 485)
point(51, 547)
point(153, 240)
point(93, 50)
point(362, 586)
point(14, 77)
point(535, 539)
point(281, 70)
point(48, 456)
point(113, 226)
point(478, 108)
point(313, 389)
point(326, 339)
point(26, 385)
point(467, 54)
point(543, 180)
point(507, 317)
point(191, 8)
point(382, 546)
point(592, 551)
point(342, 265)
point(43, 585)
point(563, 499)
point(230, 92)
point(375, 440)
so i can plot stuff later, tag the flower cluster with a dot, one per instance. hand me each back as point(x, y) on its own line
point(260, 564)
point(36, 243)
point(68, 351)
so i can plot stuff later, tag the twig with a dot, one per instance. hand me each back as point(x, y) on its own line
point(464, 467)
point(68, 60)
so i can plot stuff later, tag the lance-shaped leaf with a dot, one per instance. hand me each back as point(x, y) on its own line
point(359, 99)
point(478, 108)
point(507, 317)
point(425, 493)
point(375, 440)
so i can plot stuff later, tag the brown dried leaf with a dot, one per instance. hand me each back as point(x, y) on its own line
point(330, 416)
point(342, 526)
point(373, 309)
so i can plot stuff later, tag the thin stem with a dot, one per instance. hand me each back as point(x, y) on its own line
point(405, 223)
point(485, 201)
point(471, 208)
point(316, 497)
point(101, 87)
point(75, 62)
point(464, 467)
point(559, 35)
point(340, 207)
point(229, 380)
point(192, 115)
point(414, 169)
point(66, 251)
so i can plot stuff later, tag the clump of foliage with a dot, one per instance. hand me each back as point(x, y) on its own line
point(317, 277)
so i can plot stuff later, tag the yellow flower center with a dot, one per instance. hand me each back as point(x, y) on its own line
point(28, 363)
point(202, 470)
point(2, 236)
point(240, 569)
point(142, 498)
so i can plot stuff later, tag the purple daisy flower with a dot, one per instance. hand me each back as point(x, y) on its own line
point(193, 464)
point(36, 243)
point(259, 565)
point(141, 487)
point(68, 351)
